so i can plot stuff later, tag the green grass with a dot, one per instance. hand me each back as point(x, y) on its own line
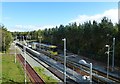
point(0, 68)
point(11, 72)
point(46, 78)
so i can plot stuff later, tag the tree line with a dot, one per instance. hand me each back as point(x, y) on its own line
point(5, 38)
point(87, 39)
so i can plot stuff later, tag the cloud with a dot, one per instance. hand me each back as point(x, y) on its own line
point(48, 26)
point(26, 27)
point(111, 14)
point(22, 28)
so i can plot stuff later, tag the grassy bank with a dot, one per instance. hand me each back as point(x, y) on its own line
point(11, 72)
point(46, 78)
point(0, 68)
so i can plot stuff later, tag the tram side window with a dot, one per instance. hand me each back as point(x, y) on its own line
point(54, 49)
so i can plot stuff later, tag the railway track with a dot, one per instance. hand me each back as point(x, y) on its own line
point(100, 73)
point(77, 68)
point(53, 70)
point(34, 77)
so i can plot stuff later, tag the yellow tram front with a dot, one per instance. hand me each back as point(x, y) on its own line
point(52, 50)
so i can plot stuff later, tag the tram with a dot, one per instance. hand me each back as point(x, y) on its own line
point(51, 49)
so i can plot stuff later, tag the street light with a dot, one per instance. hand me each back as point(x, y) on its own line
point(108, 52)
point(90, 64)
point(113, 52)
point(26, 38)
point(25, 60)
point(64, 59)
point(90, 72)
point(15, 52)
point(15, 48)
point(40, 40)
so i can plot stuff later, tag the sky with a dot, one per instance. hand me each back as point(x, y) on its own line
point(29, 16)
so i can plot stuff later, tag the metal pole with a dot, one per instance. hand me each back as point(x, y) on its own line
point(26, 40)
point(113, 54)
point(108, 61)
point(73, 71)
point(90, 72)
point(15, 52)
point(23, 38)
point(25, 62)
point(16, 38)
point(40, 43)
point(64, 60)
point(15, 48)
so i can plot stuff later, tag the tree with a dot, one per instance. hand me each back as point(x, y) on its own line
point(88, 39)
point(6, 38)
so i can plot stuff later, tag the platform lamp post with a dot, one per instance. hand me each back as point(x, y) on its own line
point(113, 52)
point(64, 59)
point(90, 72)
point(89, 64)
point(15, 48)
point(15, 52)
point(25, 61)
point(108, 52)
point(26, 38)
point(40, 40)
